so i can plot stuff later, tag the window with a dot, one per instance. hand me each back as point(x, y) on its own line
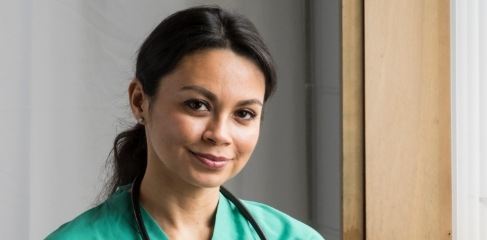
point(469, 118)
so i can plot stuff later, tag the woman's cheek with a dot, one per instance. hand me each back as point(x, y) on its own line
point(187, 127)
point(247, 137)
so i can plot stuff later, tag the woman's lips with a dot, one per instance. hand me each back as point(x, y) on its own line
point(211, 161)
point(212, 157)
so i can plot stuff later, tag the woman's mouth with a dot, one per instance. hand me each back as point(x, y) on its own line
point(210, 161)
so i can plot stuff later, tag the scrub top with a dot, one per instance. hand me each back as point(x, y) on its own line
point(113, 219)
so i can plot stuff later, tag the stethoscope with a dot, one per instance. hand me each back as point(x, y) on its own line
point(140, 222)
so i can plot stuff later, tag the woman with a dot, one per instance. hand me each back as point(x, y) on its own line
point(202, 78)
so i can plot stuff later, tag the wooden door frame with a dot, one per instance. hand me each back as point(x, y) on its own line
point(363, 182)
point(353, 154)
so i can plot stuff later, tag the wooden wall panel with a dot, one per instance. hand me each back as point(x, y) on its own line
point(353, 224)
point(407, 119)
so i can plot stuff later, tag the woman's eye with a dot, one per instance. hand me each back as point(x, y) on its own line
point(245, 114)
point(197, 105)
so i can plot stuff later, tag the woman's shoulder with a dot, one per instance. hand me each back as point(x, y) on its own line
point(279, 224)
point(105, 221)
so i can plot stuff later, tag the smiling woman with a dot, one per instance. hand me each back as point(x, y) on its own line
point(212, 102)
point(202, 78)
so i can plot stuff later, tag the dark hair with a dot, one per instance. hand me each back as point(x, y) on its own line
point(179, 35)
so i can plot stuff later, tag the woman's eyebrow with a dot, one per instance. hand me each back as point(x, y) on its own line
point(201, 90)
point(212, 97)
point(250, 102)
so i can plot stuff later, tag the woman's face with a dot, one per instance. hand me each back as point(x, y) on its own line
point(204, 122)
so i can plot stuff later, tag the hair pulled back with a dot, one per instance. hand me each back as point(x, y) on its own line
point(181, 34)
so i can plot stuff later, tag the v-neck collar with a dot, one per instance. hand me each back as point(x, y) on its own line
point(228, 223)
point(153, 229)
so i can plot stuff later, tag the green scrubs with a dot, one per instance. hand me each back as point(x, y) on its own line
point(113, 219)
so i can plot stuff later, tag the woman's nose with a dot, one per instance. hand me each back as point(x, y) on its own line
point(217, 133)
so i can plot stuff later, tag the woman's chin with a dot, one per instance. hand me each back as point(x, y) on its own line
point(208, 181)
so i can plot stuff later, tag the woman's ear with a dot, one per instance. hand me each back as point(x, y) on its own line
point(138, 101)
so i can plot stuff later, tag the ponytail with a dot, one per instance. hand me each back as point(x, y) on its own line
point(129, 157)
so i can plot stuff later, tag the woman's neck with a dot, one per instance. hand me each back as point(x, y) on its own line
point(182, 210)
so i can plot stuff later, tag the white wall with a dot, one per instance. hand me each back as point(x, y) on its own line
point(65, 67)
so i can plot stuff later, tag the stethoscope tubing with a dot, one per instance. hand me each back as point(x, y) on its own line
point(134, 196)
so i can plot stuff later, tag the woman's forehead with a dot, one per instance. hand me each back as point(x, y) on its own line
point(218, 70)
